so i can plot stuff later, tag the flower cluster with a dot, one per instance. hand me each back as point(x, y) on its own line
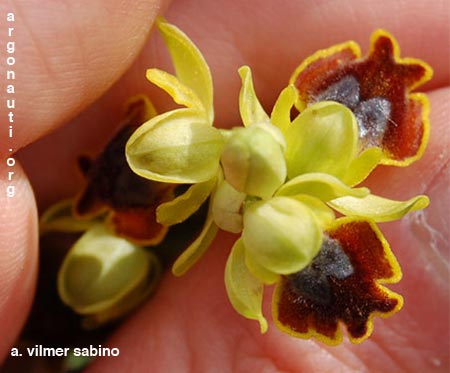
point(278, 180)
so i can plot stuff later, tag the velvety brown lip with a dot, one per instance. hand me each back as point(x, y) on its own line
point(353, 297)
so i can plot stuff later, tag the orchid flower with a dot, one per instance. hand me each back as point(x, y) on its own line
point(287, 239)
point(277, 181)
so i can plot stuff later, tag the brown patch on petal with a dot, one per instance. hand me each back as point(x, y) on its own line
point(383, 85)
point(313, 70)
point(113, 187)
point(138, 224)
point(342, 284)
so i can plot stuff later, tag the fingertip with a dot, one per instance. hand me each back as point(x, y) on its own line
point(67, 55)
point(18, 254)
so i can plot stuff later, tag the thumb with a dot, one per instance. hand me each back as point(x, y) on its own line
point(64, 56)
point(18, 254)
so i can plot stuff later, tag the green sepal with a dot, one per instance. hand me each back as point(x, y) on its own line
point(130, 301)
point(263, 274)
point(323, 138)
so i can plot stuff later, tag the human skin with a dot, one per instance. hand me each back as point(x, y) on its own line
point(69, 56)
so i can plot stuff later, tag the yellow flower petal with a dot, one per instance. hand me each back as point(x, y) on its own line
point(377, 208)
point(190, 66)
point(180, 93)
point(249, 105)
point(361, 166)
point(194, 252)
point(183, 206)
point(244, 290)
point(323, 186)
point(281, 113)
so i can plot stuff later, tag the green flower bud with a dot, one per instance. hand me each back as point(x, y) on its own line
point(104, 276)
point(253, 160)
point(282, 234)
point(175, 147)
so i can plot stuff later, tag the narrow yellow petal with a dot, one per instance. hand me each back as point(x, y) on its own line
point(190, 66)
point(319, 185)
point(244, 290)
point(281, 113)
point(180, 93)
point(195, 251)
point(377, 208)
point(249, 105)
point(183, 206)
point(362, 166)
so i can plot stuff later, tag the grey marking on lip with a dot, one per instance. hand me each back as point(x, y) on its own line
point(345, 91)
point(313, 281)
point(372, 115)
